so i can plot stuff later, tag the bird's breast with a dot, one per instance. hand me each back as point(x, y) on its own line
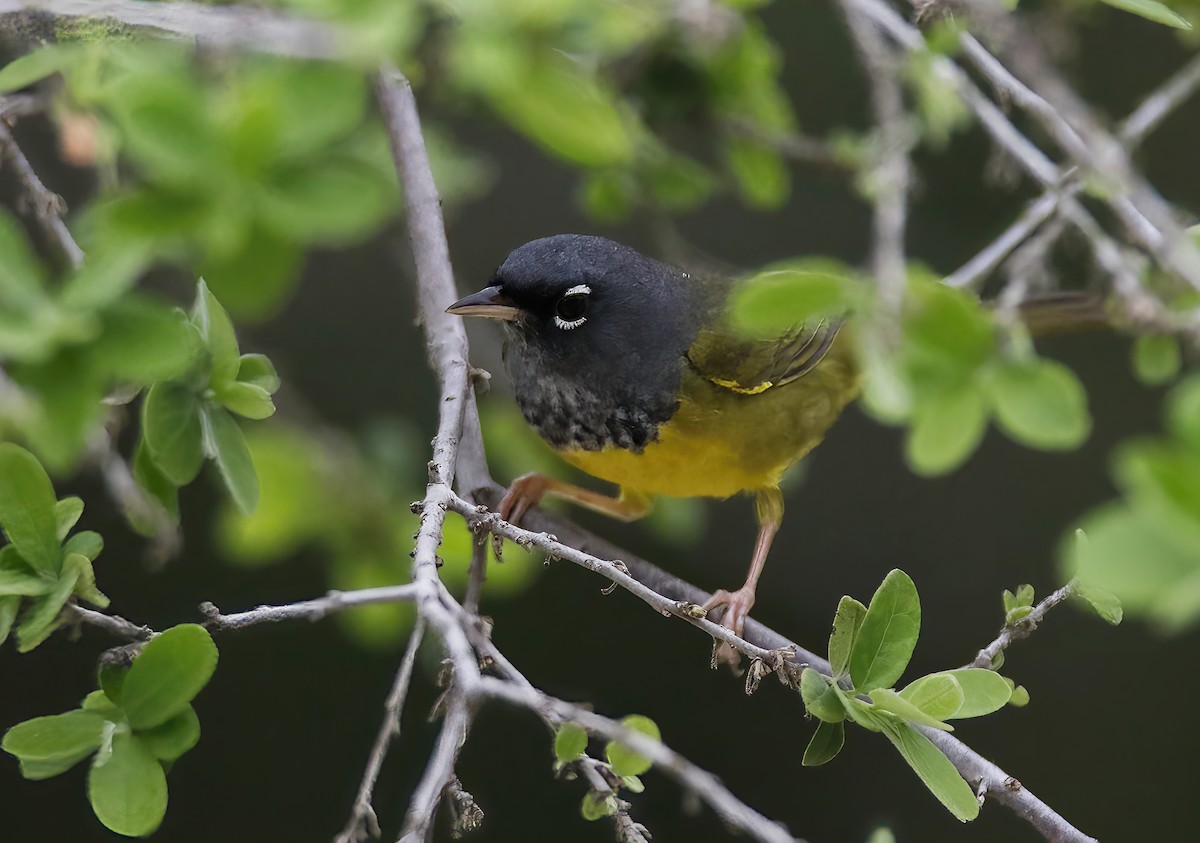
point(719, 443)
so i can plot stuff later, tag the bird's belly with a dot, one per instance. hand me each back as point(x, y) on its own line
point(677, 465)
point(720, 443)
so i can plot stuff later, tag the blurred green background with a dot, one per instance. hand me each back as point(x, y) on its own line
point(289, 716)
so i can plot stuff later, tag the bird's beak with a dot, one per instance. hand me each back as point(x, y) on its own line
point(490, 302)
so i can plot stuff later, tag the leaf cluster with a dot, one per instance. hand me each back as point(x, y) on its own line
point(946, 370)
point(44, 565)
point(134, 727)
point(189, 419)
point(869, 648)
point(1144, 547)
point(621, 770)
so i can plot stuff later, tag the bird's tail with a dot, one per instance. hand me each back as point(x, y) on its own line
point(1048, 314)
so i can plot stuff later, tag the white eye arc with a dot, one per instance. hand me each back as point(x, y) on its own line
point(575, 293)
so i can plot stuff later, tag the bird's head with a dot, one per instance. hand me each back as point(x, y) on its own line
point(577, 300)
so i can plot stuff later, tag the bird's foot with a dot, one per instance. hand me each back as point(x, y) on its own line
point(737, 605)
point(526, 491)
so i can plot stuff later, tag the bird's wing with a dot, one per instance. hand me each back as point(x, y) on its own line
point(749, 367)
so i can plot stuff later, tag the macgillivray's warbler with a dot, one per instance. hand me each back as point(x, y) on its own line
point(628, 369)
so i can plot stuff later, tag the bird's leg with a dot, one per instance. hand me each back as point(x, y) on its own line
point(529, 489)
point(768, 506)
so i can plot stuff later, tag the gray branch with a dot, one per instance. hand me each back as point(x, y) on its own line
point(1022, 628)
point(228, 27)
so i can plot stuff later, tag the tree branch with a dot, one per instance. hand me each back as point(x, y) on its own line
point(690, 777)
point(308, 610)
point(229, 27)
point(1022, 628)
point(891, 177)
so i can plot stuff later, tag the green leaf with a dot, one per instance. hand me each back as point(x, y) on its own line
point(143, 342)
point(86, 588)
point(172, 431)
point(258, 369)
point(819, 698)
point(87, 543)
point(633, 784)
point(166, 127)
point(862, 713)
point(596, 806)
point(70, 397)
point(984, 691)
point(1105, 603)
point(66, 514)
point(939, 695)
point(112, 680)
point(335, 201)
point(156, 484)
point(548, 97)
point(1163, 584)
point(1020, 697)
point(888, 634)
point(624, 761)
point(127, 788)
point(171, 669)
point(1156, 359)
point(946, 430)
point(233, 458)
point(33, 67)
point(569, 742)
point(1152, 10)
point(245, 399)
point(1183, 411)
point(1040, 403)
point(42, 618)
point(947, 334)
point(888, 700)
point(175, 737)
point(847, 623)
point(217, 332)
point(934, 769)
point(27, 508)
point(23, 584)
point(760, 173)
point(8, 614)
point(104, 277)
point(780, 298)
point(47, 746)
point(99, 703)
point(826, 743)
point(20, 273)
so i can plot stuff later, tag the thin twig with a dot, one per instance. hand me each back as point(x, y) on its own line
point(46, 206)
point(1022, 628)
point(760, 639)
point(363, 820)
point(666, 760)
point(257, 30)
point(446, 345)
point(308, 610)
point(440, 769)
point(891, 177)
point(112, 624)
point(1155, 108)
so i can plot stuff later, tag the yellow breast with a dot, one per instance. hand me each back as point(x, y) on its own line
point(722, 442)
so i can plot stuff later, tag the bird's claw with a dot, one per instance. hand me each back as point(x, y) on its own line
point(737, 605)
point(526, 491)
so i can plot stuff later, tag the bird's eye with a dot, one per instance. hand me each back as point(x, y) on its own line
point(569, 312)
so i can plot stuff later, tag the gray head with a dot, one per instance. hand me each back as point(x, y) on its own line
point(597, 337)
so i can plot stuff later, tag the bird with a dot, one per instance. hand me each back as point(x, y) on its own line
point(630, 369)
point(627, 368)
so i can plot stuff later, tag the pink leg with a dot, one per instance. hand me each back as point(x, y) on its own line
point(737, 604)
